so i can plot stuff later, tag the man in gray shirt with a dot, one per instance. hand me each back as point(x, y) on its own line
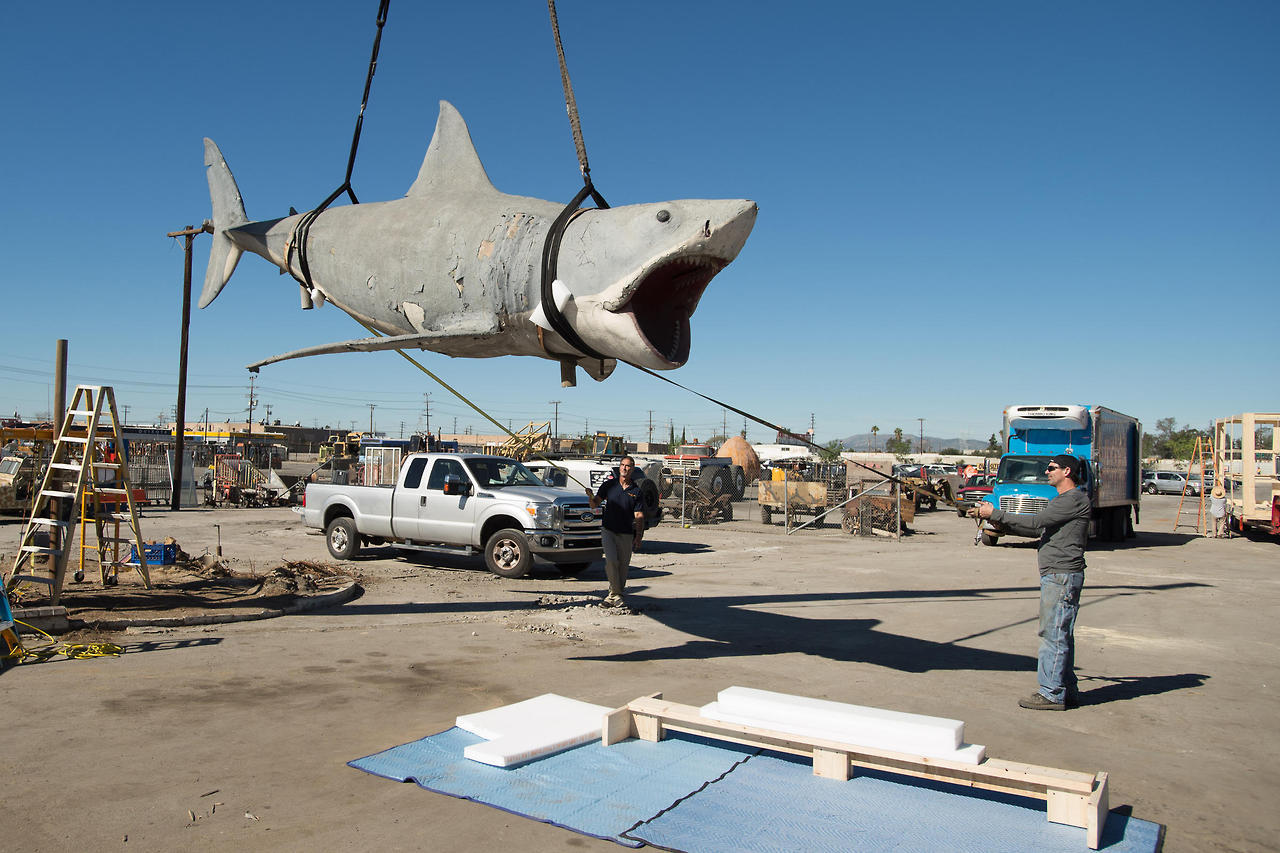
point(1063, 528)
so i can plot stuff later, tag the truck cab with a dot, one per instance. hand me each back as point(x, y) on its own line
point(1107, 444)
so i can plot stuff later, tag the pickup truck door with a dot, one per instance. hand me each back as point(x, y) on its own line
point(442, 518)
point(406, 512)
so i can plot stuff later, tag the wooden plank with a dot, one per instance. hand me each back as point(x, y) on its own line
point(1072, 798)
point(619, 724)
point(648, 727)
point(831, 764)
point(1017, 775)
point(1096, 813)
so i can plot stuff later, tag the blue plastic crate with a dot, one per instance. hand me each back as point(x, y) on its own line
point(157, 555)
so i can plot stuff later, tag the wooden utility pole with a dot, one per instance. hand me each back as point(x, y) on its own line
point(180, 411)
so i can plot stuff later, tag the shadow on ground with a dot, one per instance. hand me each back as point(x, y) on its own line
point(736, 626)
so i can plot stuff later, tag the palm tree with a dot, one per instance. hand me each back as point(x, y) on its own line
point(874, 430)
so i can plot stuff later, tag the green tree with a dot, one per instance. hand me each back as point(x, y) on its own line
point(950, 451)
point(874, 432)
point(897, 444)
point(831, 451)
point(993, 446)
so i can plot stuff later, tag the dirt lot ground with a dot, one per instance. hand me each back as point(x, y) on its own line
point(236, 736)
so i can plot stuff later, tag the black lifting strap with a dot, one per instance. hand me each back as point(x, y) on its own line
point(550, 262)
point(298, 240)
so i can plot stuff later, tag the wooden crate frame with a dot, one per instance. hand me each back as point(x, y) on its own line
point(1072, 798)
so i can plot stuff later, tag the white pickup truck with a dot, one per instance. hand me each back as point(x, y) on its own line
point(461, 503)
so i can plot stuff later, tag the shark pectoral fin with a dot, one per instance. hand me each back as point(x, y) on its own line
point(358, 345)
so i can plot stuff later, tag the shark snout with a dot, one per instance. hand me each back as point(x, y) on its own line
point(644, 318)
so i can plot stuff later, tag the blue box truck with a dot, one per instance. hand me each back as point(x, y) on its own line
point(1108, 442)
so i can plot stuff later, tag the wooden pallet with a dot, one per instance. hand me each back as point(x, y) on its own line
point(1073, 798)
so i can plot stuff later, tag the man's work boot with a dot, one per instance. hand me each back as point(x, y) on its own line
point(1037, 702)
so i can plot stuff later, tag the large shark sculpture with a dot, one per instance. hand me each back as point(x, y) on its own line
point(456, 266)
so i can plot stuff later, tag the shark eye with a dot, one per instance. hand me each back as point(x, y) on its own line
point(663, 216)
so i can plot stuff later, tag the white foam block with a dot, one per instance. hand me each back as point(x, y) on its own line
point(856, 725)
point(530, 729)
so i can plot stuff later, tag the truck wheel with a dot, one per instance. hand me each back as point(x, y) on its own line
point(714, 481)
point(988, 539)
point(766, 515)
point(507, 553)
point(342, 538)
point(665, 487)
point(649, 496)
point(572, 568)
point(738, 480)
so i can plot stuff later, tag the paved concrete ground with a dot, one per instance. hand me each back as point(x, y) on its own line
point(1177, 654)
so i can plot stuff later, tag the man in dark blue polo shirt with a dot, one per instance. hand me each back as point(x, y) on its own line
point(623, 521)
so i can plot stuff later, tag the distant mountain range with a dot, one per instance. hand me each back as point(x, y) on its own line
point(932, 444)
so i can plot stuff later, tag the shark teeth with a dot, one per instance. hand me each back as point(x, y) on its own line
point(664, 301)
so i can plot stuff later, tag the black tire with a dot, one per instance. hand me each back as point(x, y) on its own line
point(715, 481)
point(848, 523)
point(738, 481)
point(572, 568)
point(766, 515)
point(665, 486)
point(649, 497)
point(342, 538)
point(1151, 489)
point(507, 553)
point(988, 539)
point(726, 513)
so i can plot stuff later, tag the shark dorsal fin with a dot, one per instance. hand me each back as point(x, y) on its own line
point(451, 159)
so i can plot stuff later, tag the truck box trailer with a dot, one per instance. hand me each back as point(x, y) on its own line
point(1108, 442)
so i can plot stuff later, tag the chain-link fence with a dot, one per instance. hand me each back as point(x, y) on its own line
point(796, 496)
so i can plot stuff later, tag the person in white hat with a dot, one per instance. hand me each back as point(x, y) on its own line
point(1218, 510)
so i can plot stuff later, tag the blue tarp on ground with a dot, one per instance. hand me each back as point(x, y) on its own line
point(690, 794)
point(775, 803)
point(589, 789)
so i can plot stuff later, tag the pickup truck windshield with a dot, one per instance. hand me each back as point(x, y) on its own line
point(1023, 469)
point(496, 473)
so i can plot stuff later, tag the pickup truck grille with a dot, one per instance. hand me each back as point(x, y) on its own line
point(1022, 503)
point(581, 519)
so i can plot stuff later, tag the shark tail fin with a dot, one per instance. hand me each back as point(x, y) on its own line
point(228, 212)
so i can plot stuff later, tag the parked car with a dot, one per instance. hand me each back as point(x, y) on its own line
point(1164, 483)
point(1195, 486)
point(975, 488)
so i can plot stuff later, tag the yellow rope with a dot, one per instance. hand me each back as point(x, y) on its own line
point(75, 651)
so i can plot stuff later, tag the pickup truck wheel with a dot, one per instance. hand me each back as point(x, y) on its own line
point(342, 538)
point(507, 553)
point(572, 568)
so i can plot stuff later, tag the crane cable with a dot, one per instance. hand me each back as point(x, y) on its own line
point(301, 230)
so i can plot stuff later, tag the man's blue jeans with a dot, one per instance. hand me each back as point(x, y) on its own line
point(1059, 603)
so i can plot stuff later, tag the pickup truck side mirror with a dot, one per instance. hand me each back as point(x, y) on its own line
point(455, 485)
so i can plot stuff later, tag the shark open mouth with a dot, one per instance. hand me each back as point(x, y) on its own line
point(665, 299)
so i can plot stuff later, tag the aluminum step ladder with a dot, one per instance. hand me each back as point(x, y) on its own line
point(89, 445)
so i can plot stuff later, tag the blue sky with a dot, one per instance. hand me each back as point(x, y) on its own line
point(962, 206)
